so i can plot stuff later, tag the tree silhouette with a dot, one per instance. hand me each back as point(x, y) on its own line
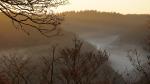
point(32, 13)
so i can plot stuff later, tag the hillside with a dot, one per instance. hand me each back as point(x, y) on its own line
point(87, 24)
point(130, 28)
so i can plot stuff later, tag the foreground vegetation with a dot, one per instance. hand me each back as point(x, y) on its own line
point(67, 66)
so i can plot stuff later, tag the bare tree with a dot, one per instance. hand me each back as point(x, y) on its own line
point(79, 67)
point(33, 13)
point(17, 69)
point(48, 68)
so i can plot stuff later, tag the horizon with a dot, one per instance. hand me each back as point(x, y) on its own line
point(118, 6)
point(96, 11)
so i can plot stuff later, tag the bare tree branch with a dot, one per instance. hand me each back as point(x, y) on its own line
point(33, 13)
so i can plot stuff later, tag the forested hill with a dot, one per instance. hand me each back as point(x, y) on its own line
point(130, 27)
point(105, 17)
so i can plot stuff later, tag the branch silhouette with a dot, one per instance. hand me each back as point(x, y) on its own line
point(33, 13)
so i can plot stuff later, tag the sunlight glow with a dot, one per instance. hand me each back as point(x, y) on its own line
point(121, 6)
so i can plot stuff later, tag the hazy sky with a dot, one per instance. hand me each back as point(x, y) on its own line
point(122, 6)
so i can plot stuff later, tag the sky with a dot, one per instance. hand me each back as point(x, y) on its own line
point(120, 6)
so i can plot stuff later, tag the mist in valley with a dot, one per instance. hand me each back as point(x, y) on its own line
point(120, 35)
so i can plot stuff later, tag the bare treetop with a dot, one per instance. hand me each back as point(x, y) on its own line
point(33, 13)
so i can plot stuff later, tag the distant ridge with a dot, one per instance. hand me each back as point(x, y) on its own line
point(131, 27)
point(99, 13)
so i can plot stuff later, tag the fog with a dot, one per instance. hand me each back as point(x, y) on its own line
point(117, 52)
point(118, 38)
